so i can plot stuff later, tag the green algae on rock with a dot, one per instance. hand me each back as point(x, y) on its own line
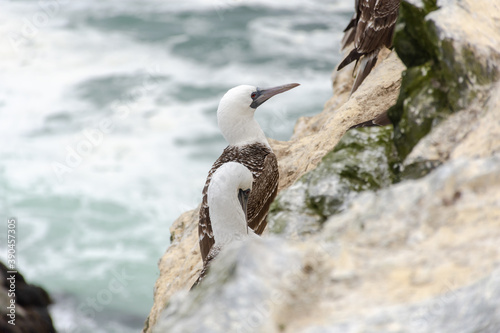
point(413, 42)
point(445, 71)
point(363, 160)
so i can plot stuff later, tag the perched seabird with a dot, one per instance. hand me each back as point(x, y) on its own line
point(248, 146)
point(227, 199)
point(371, 28)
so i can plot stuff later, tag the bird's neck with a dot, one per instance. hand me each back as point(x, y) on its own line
point(243, 131)
point(227, 219)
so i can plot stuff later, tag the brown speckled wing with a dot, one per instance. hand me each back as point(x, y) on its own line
point(376, 24)
point(264, 190)
point(262, 162)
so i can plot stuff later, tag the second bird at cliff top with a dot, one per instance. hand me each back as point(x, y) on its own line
point(370, 29)
point(248, 146)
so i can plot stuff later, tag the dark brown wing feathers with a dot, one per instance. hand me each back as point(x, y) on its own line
point(262, 162)
point(375, 25)
point(264, 188)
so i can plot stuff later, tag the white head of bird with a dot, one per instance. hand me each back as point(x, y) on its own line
point(227, 201)
point(236, 111)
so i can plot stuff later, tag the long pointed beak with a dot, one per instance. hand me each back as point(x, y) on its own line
point(264, 94)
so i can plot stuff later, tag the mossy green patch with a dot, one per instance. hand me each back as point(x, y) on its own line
point(418, 169)
point(363, 160)
point(421, 105)
point(443, 76)
point(360, 162)
point(413, 39)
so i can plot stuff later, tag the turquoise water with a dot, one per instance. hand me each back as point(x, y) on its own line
point(108, 129)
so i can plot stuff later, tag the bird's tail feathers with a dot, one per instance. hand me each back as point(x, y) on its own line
point(366, 66)
point(353, 55)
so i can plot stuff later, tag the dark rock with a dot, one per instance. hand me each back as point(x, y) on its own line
point(32, 314)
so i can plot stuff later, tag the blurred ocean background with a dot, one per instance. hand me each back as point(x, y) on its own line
point(94, 208)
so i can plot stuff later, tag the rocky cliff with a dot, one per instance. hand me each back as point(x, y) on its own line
point(380, 229)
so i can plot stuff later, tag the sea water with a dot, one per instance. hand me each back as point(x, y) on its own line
point(108, 129)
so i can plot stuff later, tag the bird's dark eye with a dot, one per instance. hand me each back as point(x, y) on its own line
point(253, 95)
